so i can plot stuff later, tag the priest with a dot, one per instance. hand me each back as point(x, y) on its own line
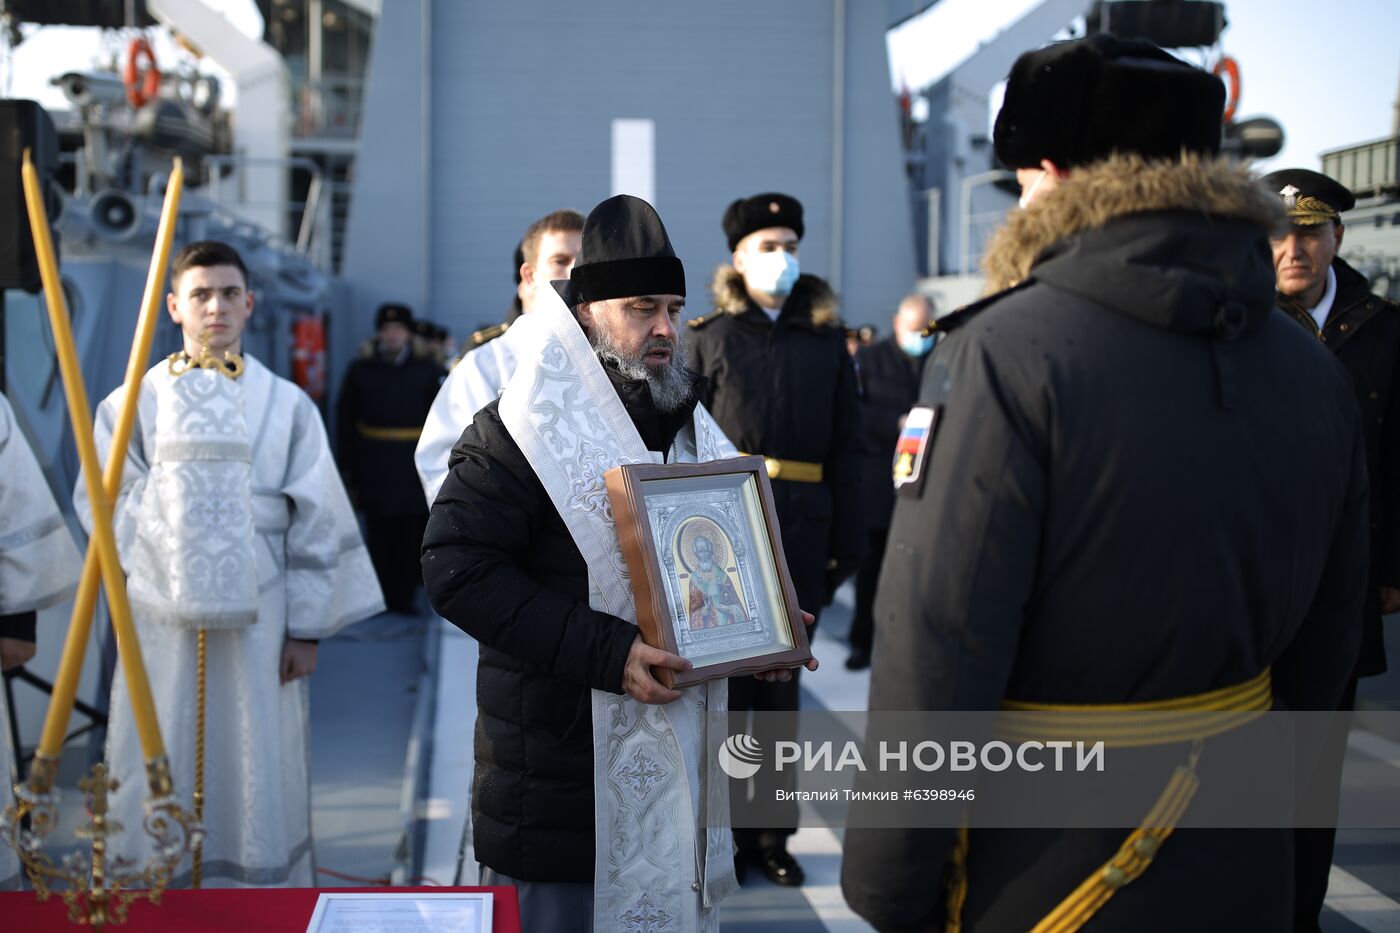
point(231, 520)
point(38, 568)
point(592, 792)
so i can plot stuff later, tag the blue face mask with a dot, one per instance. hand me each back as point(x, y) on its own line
point(915, 344)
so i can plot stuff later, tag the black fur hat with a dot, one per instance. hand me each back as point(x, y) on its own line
point(393, 313)
point(1080, 101)
point(760, 212)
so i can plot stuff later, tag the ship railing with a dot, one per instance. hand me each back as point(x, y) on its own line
point(313, 226)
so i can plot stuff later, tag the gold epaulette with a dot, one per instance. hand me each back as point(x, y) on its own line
point(701, 321)
point(488, 334)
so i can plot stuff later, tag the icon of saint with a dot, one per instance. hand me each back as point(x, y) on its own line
point(712, 599)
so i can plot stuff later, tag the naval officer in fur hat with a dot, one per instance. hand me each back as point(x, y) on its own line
point(781, 384)
point(1334, 304)
point(1128, 481)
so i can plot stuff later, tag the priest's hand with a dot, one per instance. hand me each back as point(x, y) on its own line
point(298, 659)
point(637, 681)
point(15, 652)
point(784, 674)
point(1390, 600)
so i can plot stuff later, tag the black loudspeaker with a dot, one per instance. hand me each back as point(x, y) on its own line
point(23, 125)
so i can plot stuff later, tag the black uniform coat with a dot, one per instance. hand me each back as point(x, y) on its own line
point(1145, 483)
point(380, 393)
point(1364, 331)
point(499, 563)
point(788, 390)
point(889, 386)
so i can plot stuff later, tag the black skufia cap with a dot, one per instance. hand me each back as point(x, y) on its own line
point(393, 314)
point(760, 212)
point(1309, 197)
point(1078, 102)
point(625, 252)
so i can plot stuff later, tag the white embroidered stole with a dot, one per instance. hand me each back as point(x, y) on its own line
point(655, 780)
point(193, 563)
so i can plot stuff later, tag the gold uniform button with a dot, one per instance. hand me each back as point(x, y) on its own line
point(1374, 395)
point(1147, 847)
point(1114, 877)
point(1345, 327)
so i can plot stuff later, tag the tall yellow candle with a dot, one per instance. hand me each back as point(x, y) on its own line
point(128, 648)
point(80, 625)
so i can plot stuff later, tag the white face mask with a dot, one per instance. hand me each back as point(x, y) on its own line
point(1029, 194)
point(773, 273)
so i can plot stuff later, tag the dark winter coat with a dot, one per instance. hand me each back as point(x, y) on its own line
point(499, 563)
point(1144, 483)
point(788, 390)
point(889, 386)
point(1363, 330)
point(384, 394)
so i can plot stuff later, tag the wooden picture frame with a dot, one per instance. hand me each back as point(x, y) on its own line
point(705, 554)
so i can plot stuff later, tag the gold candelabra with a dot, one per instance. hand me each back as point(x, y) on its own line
point(98, 889)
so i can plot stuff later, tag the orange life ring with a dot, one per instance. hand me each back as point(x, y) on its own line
point(1231, 69)
point(142, 83)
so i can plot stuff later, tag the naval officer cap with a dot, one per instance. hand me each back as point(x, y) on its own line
point(625, 252)
point(760, 212)
point(1078, 102)
point(1309, 197)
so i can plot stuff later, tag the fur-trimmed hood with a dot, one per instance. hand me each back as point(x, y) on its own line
point(811, 296)
point(1171, 243)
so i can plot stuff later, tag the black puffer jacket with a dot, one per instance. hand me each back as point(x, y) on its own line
point(1363, 330)
point(499, 563)
point(1144, 483)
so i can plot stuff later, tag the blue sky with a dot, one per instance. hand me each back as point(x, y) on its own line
point(1328, 71)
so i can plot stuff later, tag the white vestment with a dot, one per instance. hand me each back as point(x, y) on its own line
point(656, 784)
point(39, 566)
point(313, 577)
point(472, 384)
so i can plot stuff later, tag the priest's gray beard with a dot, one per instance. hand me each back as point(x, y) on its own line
point(671, 384)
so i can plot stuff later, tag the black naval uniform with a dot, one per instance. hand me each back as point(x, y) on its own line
point(1144, 483)
point(1363, 330)
point(380, 413)
point(889, 386)
point(787, 391)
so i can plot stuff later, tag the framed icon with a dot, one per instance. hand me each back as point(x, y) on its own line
point(705, 554)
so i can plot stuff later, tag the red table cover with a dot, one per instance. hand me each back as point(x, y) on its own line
point(266, 910)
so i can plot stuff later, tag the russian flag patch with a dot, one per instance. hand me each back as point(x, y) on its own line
point(912, 447)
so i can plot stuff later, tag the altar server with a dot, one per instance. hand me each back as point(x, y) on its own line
point(231, 518)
